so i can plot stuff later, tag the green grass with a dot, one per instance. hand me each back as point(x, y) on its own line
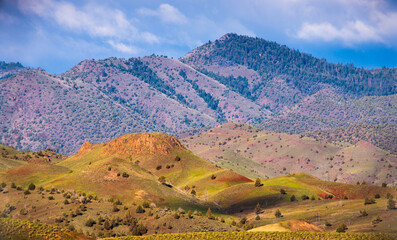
point(267, 235)
point(22, 229)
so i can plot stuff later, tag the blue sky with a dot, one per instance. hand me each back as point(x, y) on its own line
point(56, 34)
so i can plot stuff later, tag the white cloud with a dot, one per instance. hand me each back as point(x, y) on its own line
point(167, 13)
point(110, 25)
point(351, 32)
point(121, 47)
point(354, 22)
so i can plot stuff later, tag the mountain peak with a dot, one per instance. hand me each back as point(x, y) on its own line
point(143, 143)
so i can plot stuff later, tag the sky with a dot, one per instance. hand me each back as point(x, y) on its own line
point(57, 34)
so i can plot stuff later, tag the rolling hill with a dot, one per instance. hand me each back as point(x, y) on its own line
point(235, 78)
point(107, 183)
point(255, 153)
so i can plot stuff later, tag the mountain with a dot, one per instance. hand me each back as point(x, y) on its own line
point(255, 153)
point(236, 78)
point(9, 69)
point(304, 93)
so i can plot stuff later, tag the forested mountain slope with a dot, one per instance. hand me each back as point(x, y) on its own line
point(236, 78)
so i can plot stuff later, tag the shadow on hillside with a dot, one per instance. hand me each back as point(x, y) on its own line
point(250, 204)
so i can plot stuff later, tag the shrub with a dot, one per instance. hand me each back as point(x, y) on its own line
point(293, 198)
point(138, 230)
point(388, 196)
point(90, 222)
point(23, 211)
point(376, 220)
point(50, 198)
point(193, 192)
point(177, 159)
point(27, 192)
point(243, 220)
point(369, 201)
point(139, 209)
point(377, 195)
point(107, 225)
point(384, 184)
point(176, 216)
point(391, 204)
point(278, 213)
point(341, 228)
point(189, 214)
point(115, 208)
point(13, 185)
point(162, 179)
point(282, 191)
point(248, 226)
point(328, 224)
point(146, 204)
point(32, 187)
point(158, 167)
point(258, 208)
point(305, 197)
point(213, 177)
point(125, 175)
point(209, 214)
point(258, 182)
point(363, 213)
point(118, 202)
point(257, 217)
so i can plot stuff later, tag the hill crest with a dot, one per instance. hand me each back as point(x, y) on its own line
point(143, 143)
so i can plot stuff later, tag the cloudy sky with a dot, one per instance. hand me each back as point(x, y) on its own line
point(57, 34)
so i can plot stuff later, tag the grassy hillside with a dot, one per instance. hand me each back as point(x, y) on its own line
point(269, 235)
point(11, 158)
point(129, 168)
point(154, 179)
point(382, 136)
point(255, 153)
point(22, 229)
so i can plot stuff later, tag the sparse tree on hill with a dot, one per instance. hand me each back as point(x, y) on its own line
point(209, 214)
point(293, 198)
point(139, 209)
point(258, 182)
point(363, 213)
point(341, 228)
point(189, 214)
point(258, 208)
point(162, 179)
point(391, 204)
point(278, 213)
point(32, 187)
point(369, 201)
point(107, 225)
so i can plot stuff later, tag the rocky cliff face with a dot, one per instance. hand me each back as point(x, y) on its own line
point(143, 143)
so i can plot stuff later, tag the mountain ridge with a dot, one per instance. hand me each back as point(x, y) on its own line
point(221, 81)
